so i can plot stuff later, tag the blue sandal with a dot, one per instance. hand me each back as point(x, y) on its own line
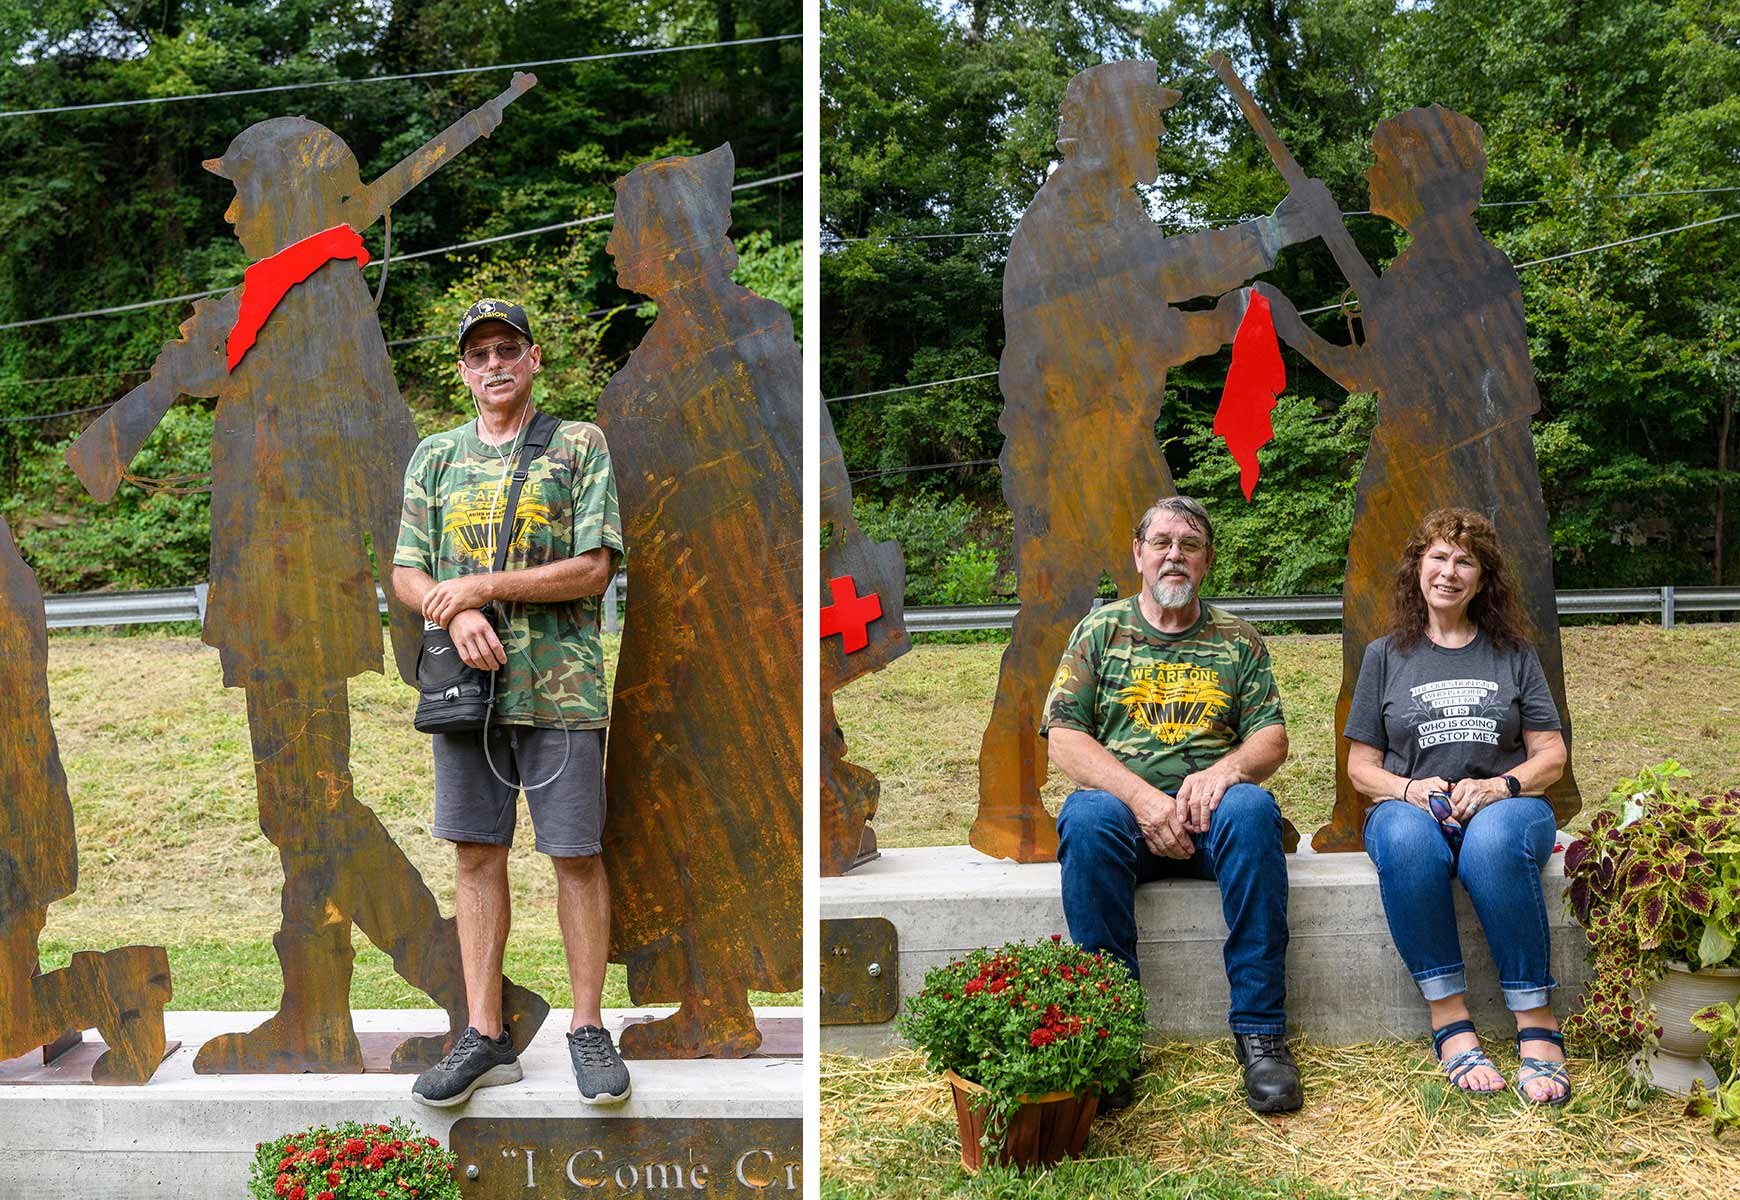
point(1456, 1068)
point(1533, 1069)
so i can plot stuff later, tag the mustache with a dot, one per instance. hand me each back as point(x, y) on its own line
point(498, 377)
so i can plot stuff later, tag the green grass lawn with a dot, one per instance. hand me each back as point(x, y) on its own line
point(160, 771)
point(1638, 694)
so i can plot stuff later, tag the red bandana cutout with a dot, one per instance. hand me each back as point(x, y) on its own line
point(270, 280)
point(1256, 377)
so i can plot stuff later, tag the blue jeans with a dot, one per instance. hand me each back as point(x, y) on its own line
point(1503, 850)
point(1103, 857)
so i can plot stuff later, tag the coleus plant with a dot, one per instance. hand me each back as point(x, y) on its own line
point(1657, 882)
point(1722, 1106)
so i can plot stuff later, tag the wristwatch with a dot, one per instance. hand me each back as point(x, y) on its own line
point(1514, 784)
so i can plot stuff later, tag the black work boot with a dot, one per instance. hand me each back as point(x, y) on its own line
point(1271, 1075)
point(1120, 1097)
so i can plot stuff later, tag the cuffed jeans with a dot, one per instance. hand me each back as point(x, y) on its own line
point(1503, 850)
point(1104, 858)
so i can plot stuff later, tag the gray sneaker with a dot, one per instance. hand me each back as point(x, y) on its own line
point(475, 1061)
point(598, 1068)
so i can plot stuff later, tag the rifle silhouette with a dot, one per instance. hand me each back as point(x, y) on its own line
point(193, 365)
point(1333, 232)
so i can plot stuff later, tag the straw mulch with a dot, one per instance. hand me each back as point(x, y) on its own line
point(1379, 1120)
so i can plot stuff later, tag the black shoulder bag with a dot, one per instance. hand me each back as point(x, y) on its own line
point(452, 697)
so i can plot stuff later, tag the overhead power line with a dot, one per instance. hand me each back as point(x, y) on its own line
point(500, 237)
point(323, 83)
point(911, 387)
point(977, 462)
point(1346, 212)
point(1308, 312)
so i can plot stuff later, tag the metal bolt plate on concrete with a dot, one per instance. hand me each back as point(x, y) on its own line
point(860, 971)
point(548, 1158)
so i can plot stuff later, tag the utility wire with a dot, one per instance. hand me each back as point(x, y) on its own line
point(500, 237)
point(977, 462)
point(1308, 312)
point(429, 337)
point(911, 387)
point(1346, 212)
point(321, 83)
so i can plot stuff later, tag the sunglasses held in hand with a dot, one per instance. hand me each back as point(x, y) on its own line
point(1448, 825)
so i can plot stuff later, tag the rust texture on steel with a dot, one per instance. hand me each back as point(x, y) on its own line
point(849, 791)
point(309, 442)
point(860, 971)
point(1445, 349)
point(119, 992)
point(556, 1158)
point(703, 837)
point(1089, 333)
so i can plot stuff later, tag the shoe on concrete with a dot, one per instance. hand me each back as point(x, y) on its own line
point(1271, 1075)
point(475, 1061)
point(598, 1068)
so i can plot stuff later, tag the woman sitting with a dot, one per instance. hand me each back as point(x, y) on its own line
point(1455, 737)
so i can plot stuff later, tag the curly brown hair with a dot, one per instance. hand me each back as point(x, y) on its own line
point(1496, 608)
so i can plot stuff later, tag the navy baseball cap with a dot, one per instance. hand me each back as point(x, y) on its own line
point(494, 310)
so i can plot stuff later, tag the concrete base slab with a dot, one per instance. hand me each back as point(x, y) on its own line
point(192, 1136)
point(1345, 981)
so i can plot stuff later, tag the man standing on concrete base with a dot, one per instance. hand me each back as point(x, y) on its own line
point(1165, 713)
point(535, 623)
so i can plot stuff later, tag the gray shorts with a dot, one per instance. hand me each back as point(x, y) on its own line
point(472, 805)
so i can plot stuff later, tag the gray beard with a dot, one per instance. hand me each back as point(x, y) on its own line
point(1173, 591)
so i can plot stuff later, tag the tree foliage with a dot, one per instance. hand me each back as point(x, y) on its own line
point(110, 206)
point(939, 117)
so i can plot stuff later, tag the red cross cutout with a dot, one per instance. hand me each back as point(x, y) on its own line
point(850, 614)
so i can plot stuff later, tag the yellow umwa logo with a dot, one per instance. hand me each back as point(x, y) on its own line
point(1172, 701)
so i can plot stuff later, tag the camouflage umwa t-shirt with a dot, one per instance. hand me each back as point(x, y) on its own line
point(555, 667)
point(1165, 704)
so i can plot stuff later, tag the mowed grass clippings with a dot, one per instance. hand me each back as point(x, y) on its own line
point(1638, 694)
point(1379, 1121)
point(160, 770)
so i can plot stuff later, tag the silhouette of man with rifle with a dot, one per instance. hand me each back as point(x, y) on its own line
point(1089, 333)
point(309, 443)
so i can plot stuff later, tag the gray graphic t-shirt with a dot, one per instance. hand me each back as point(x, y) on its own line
point(1459, 714)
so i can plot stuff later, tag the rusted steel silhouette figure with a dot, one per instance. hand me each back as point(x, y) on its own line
point(121, 992)
point(850, 792)
point(1089, 333)
point(703, 837)
point(1446, 351)
point(309, 444)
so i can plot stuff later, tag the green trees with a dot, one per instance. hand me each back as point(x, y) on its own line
point(110, 206)
point(939, 119)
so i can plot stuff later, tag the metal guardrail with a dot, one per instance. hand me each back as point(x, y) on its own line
point(1665, 601)
point(188, 604)
point(83, 609)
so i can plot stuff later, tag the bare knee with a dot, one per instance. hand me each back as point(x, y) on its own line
point(581, 868)
point(479, 863)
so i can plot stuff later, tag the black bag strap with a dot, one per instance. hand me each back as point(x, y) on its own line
point(538, 435)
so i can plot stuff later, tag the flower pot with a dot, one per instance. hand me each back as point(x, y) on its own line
point(1042, 1132)
point(1679, 1061)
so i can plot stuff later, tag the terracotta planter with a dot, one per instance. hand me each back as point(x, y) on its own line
point(1679, 1060)
point(1042, 1132)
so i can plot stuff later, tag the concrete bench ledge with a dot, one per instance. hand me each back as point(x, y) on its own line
point(1345, 981)
point(192, 1136)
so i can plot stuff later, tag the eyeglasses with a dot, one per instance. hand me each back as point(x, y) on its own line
point(507, 353)
point(1160, 543)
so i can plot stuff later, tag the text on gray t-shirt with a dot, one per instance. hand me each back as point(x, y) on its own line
point(1459, 714)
